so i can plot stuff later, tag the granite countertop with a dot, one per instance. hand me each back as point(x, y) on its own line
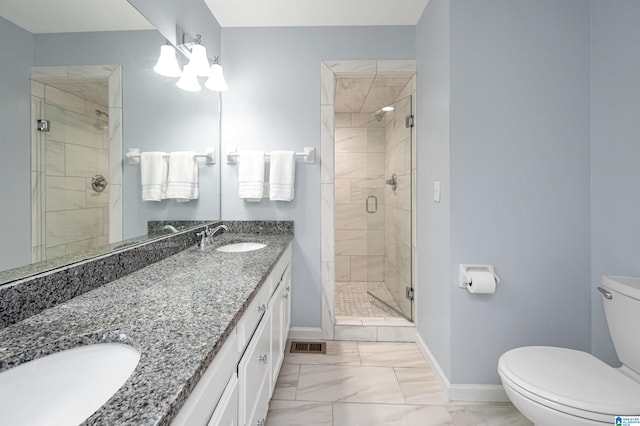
point(177, 312)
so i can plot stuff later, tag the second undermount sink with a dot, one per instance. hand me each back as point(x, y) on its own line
point(240, 247)
point(66, 387)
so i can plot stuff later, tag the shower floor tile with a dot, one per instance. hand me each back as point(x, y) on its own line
point(352, 300)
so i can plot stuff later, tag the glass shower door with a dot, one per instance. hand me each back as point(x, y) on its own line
point(392, 289)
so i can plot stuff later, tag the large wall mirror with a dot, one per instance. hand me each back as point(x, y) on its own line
point(84, 69)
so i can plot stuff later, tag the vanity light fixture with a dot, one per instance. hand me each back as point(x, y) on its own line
point(198, 65)
point(216, 80)
point(167, 63)
point(189, 80)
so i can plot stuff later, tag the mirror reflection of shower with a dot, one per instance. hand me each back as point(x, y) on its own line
point(379, 114)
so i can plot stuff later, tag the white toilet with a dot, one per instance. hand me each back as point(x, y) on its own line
point(556, 386)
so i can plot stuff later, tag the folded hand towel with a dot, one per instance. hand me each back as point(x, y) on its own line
point(182, 180)
point(251, 175)
point(153, 175)
point(282, 175)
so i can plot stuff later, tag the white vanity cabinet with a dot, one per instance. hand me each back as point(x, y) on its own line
point(237, 386)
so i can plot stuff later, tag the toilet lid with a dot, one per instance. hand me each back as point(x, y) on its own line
point(572, 378)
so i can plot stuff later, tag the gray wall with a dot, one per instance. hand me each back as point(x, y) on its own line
point(432, 154)
point(16, 59)
point(274, 103)
point(157, 116)
point(615, 153)
point(519, 158)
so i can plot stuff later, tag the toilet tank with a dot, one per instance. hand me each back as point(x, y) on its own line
point(623, 316)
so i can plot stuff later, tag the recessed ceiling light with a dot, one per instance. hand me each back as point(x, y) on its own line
point(388, 108)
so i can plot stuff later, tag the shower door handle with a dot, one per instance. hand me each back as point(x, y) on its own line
point(368, 204)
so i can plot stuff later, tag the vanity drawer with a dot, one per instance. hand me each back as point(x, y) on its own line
point(226, 413)
point(252, 315)
point(253, 372)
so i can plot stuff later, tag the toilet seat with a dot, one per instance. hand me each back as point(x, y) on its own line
point(570, 381)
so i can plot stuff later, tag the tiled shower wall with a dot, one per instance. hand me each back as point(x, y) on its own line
point(398, 203)
point(72, 217)
point(359, 173)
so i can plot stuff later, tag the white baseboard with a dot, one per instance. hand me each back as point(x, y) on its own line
point(307, 333)
point(481, 393)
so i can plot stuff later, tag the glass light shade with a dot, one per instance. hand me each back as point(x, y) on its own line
point(167, 63)
point(189, 81)
point(199, 60)
point(216, 79)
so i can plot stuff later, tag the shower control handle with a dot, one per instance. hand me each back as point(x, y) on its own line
point(368, 205)
point(393, 182)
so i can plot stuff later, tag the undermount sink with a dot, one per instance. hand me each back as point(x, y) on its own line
point(240, 247)
point(65, 387)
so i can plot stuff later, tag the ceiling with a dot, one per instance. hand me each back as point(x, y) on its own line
point(368, 93)
point(312, 13)
point(56, 16)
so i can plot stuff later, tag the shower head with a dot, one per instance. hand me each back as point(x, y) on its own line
point(101, 113)
point(100, 124)
point(379, 115)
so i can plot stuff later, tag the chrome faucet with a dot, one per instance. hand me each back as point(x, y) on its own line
point(206, 236)
point(170, 228)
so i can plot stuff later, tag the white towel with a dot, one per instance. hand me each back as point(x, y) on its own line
point(182, 180)
point(153, 175)
point(251, 175)
point(282, 175)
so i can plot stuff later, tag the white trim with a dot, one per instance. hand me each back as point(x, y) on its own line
point(311, 333)
point(462, 392)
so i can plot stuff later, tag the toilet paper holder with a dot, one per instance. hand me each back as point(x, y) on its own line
point(465, 278)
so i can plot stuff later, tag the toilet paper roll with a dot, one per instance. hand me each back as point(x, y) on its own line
point(482, 282)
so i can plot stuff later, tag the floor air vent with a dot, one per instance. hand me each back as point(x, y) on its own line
point(308, 348)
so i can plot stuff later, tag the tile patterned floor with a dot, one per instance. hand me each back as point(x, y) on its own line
point(352, 300)
point(372, 384)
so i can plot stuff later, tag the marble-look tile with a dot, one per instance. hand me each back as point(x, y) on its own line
point(84, 245)
point(376, 220)
point(36, 208)
point(375, 268)
point(65, 193)
point(37, 89)
point(396, 334)
point(367, 120)
point(353, 139)
point(91, 71)
point(287, 383)
point(338, 353)
point(36, 137)
point(359, 268)
point(352, 67)
point(349, 322)
point(486, 414)
point(115, 146)
point(115, 213)
point(420, 386)
point(327, 278)
point(72, 127)
point(352, 93)
point(54, 158)
point(294, 413)
point(326, 144)
point(73, 225)
point(350, 216)
point(327, 223)
point(342, 189)
point(345, 414)
point(346, 384)
point(326, 85)
point(350, 165)
point(396, 66)
point(351, 243)
point(375, 165)
point(63, 99)
point(343, 268)
point(380, 95)
point(347, 332)
point(375, 243)
point(84, 161)
point(115, 87)
point(342, 119)
point(57, 251)
point(395, 354)
point(405, 92)
point(375, 139)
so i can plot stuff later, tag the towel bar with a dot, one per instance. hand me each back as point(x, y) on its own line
point(309, 155)
point(133, 155)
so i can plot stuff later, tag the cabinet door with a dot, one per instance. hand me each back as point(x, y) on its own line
point(286, 310)
point(276, 306)
point(226, 413)
point(253, 373)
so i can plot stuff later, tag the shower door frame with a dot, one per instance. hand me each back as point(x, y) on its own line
point(328, 72)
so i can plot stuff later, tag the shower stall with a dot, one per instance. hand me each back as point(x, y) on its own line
point(373, 196)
